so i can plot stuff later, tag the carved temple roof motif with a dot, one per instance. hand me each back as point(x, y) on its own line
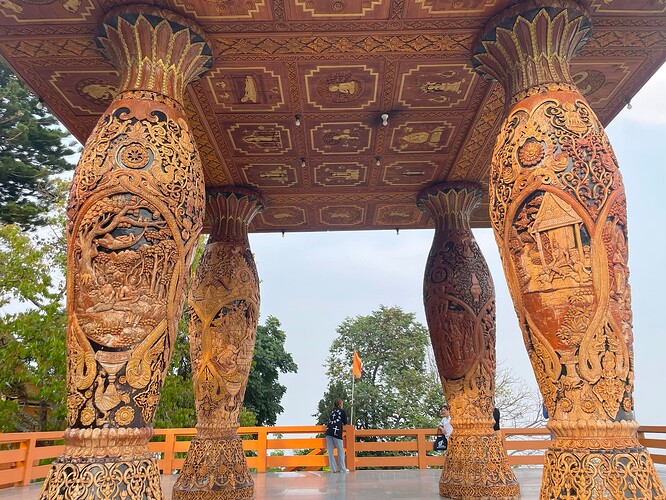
point(337, 66)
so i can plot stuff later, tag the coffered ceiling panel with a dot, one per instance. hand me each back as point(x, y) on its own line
point(293, 105)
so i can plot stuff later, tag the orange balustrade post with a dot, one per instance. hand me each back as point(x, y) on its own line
point(350, 446)
point(261, 450)
point(169, 451)
point(27, 465)
point(422, 449)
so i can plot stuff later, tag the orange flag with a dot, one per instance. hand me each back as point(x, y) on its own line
point(357, 364)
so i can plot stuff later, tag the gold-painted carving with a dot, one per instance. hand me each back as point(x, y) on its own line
point(558, 210)
point(224, 305)
point(459, 300)
point(135, 211)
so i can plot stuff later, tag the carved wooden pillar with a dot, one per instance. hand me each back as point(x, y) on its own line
point(224, 305)
point(459, 299)
point(135, 209)
point(557, 206)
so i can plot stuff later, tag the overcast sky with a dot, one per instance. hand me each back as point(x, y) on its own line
point(312, 281)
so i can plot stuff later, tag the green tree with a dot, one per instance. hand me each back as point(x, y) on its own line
point(398, 388)
point(32, 149)
point(32, 341)
point(264, 392)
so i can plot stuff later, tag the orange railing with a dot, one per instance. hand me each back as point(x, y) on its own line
point(24, 456)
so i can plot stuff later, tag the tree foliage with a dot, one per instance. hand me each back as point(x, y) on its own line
point(398, 388)
point(32, 340)
point(32, 149)
point(264, 392)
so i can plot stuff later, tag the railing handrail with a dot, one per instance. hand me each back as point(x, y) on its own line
point(21, 454)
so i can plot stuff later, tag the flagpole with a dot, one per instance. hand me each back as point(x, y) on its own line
point(351, 420)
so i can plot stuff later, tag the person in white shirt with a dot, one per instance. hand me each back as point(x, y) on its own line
point(445, 426)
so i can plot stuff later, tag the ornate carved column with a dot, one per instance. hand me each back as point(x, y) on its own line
point(557, 206)
point(459, 299)
point(224, 305)
point(135, 210)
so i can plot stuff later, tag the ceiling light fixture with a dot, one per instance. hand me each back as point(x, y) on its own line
point(303, 164)
point(298, 120)
point(378, 161)
point(385, 118)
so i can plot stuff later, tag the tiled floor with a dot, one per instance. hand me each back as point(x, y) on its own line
point(362, 485)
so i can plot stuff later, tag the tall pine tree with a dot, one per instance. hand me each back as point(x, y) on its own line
point(32, 149)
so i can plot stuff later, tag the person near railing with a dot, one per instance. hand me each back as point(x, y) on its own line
point(444, 425)
point(336, 421)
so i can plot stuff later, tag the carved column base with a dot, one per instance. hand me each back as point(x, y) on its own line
point(215, 468)
point(476, 467)
point(598, 459)
point(105, 478)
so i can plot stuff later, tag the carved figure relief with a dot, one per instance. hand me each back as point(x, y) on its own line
point(557, 206)
point(340, 87)
point(459, 301)
point(341, 174)
point(340, 138)
point(269, 138)
point(247, 88)
point(421, 137)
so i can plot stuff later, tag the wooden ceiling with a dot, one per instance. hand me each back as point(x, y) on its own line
point(339, 65)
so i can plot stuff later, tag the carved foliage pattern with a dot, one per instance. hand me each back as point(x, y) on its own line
point(131, 480)
point(476, 466)
point(135, 208)
point(214, 469)
point(630, 471)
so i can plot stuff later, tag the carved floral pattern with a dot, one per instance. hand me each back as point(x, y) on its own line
point(459, 300)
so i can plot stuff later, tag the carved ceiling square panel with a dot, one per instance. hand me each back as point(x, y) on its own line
point(335, 174)
point(421, 136)
point(338, 9)
point(85, 91)
point(428, 86)
point(398, 215)
point(340, 138)
point(45, 11)
point(409, 173)
point(341, 86)
point(598, 81)
point(271, 175)
point(221, 10)
point(282, 217)
point(240, 88)
point(259, 138)
point(628, 6)
point(342, 215)
point(449, 8)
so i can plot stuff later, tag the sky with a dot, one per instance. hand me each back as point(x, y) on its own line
point(312, 281)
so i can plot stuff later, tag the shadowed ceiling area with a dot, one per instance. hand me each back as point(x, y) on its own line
point(293, 105)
